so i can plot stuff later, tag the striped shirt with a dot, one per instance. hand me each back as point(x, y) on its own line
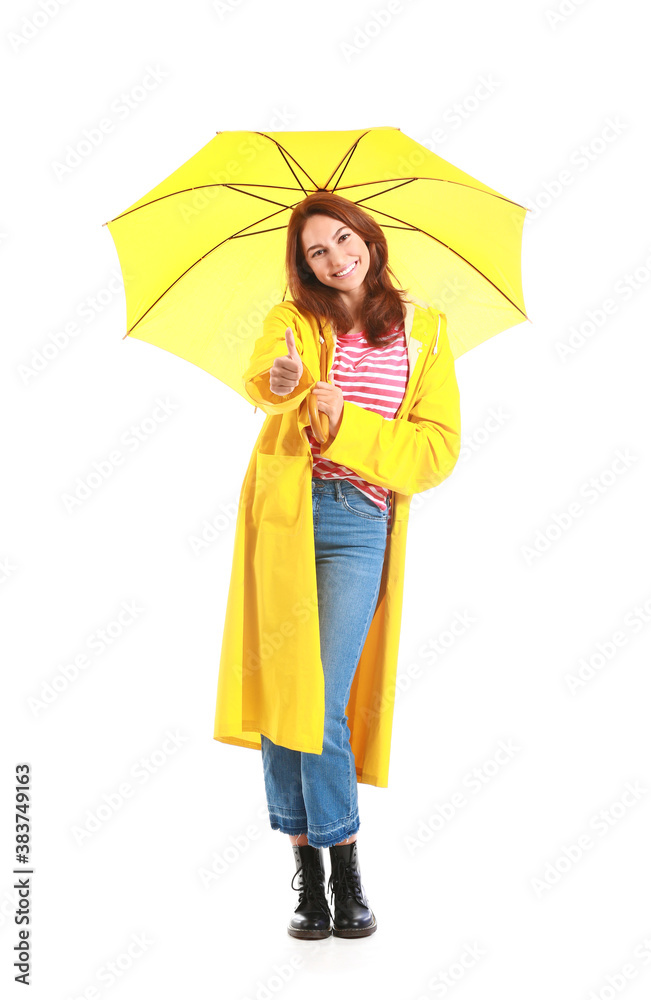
point(375, 378)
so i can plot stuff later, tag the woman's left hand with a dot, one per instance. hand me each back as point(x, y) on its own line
point(330, 399)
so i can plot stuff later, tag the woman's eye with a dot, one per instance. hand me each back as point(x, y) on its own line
point(321, 251)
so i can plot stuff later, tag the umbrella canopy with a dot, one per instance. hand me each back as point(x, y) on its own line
point(203, 253)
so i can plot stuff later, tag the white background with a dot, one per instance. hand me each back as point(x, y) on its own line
point(187, 863)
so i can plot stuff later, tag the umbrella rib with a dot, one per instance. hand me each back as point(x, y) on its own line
point(286, 157)
point(231, 187)
point(408, 180)
point(347, 157)
point(455, 252)
point(405, 226)
point(242, 232)
point(200, 187)
point(279, 187)
point(438, 180)
point(233, 236)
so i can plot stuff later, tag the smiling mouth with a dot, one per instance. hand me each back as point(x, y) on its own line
point(348, 271)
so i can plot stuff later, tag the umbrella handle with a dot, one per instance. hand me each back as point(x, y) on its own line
point(318, 419)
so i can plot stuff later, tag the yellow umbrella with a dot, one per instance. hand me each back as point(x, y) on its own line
point(202, 254)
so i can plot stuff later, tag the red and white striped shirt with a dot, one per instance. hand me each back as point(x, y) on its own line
point(375, 378)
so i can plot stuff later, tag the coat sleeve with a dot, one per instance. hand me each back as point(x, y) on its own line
point(406, 455)
point(269, 346)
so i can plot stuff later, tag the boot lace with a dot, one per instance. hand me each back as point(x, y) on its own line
point(346, 882)
point(311, 887)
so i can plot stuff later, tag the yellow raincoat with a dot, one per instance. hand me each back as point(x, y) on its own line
point(270, 673)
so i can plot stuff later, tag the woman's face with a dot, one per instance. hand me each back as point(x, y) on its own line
point(331, 246)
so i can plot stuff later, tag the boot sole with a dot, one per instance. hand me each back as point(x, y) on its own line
point(353, 932)
point(309, 934)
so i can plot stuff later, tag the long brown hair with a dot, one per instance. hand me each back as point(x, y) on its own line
point(382, 303)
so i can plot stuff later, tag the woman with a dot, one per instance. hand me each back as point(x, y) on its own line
point(313, 614)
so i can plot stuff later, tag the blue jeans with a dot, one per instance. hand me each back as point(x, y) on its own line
point(314, 793)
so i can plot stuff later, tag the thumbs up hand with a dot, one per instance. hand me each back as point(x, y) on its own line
point(286, 371)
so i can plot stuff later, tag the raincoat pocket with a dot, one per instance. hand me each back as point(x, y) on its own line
point(278, 501)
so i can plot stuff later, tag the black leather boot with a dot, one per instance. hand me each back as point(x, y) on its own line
point(353, 917)
point(312, 918)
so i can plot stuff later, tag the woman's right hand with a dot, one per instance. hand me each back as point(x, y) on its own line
point(285, 373)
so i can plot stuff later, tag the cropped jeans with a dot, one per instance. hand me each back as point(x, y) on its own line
point(313, 793)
